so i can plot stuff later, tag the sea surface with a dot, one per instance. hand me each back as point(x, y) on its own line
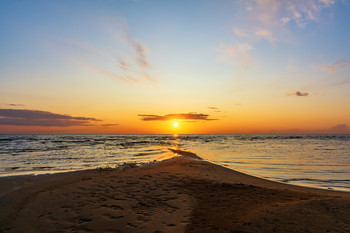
point(309, 160)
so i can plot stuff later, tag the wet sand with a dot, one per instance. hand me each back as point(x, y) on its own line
point(182, 194)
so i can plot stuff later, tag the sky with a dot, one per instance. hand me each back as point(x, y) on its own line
point(140, 66)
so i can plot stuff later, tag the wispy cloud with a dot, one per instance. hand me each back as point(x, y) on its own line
point(24, 117)
point(264, 33)
point(139, 49)
point(334, 67)
point(179, 116)
point(123, 65)
point(125, 78)
point(215, 109)
point(109, 125)
point(269, 20)
point(299, 94)
point(130, 66)
point(236, 55)
point(269, 16)
point(140, 59)
point(16, 105)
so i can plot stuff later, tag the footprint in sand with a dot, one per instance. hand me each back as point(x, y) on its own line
point(131, 225)
point(113, 217)
point(116, 207)
point(81, 220)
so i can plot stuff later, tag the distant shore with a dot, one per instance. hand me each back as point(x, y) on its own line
point(182, 194)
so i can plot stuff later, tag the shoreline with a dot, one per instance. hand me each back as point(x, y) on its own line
point(174, 151)
point(180, 194)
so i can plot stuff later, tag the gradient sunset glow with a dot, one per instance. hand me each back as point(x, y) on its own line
point(141, 67)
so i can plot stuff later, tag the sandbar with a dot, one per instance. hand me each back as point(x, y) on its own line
point(181, 194)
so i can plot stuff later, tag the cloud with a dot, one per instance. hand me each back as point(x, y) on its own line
point(301, 12)
point(285, 20)
point(334, 67)
point(180, 116)
point(123, 65)
point(139, 49)
point(16, 105)
point(109, 125)
point(234, 50)
point(125, 78)
point(327, 2)
point(215, 109)
point(299, 94)
point(268, 18)
point(139, 65)
point(24, 117)
point(236, 54)
point(130, 64)
point(150, 78)
point(265, 34)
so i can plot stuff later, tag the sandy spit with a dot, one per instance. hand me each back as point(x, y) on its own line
point(182, 194)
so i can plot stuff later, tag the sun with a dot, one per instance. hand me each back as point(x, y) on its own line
point(176, 124)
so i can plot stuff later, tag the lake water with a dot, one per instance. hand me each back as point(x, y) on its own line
point(309, 160)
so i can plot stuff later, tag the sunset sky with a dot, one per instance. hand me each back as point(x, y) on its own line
point(139, 66)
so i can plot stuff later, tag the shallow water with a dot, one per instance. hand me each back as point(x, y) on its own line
point(310, 160)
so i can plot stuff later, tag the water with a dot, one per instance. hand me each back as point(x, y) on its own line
point(310, 160)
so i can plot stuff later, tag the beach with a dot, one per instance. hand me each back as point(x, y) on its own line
point(181, 194)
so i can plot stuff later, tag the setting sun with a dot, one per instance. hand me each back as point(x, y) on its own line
point(176, 124)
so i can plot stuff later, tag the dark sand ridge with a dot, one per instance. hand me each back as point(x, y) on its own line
point(182, 194)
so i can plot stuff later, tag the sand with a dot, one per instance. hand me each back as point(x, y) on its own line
point(182, 194)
